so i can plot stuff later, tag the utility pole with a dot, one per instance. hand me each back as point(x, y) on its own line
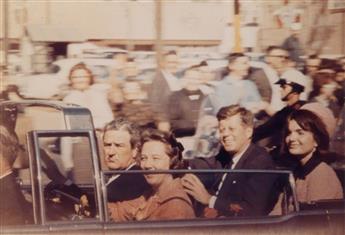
point(237, 27)
point(158, 26)
point(5, 33)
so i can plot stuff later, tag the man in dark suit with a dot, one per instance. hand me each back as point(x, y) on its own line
point(234, 193)
point(121, 141)
point(163, 85)
point(14, 209)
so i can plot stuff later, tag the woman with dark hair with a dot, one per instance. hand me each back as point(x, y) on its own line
point(307, 140)
point(166, 199)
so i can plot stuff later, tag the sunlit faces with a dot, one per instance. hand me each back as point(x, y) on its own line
point(240, 66)
point(118, 151)
point(154, 157)
point(80, 79)
point(234, 135)
point(299, 142)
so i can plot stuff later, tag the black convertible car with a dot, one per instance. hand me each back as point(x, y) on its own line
point(62, 175)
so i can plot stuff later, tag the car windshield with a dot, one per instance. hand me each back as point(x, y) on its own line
point(144, 202)
point(66, 188)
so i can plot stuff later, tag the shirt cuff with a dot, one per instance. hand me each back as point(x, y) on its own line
point(212, 201)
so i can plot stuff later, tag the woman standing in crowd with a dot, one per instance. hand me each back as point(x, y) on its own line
point(85, 93)
point(307, 140)
point(166, 200)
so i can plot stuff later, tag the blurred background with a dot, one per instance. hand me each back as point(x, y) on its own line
point(35, 33)
point(127, 47)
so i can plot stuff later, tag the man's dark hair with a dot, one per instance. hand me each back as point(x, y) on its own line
point(246, 116)
point(233, 56)
point(274, 47)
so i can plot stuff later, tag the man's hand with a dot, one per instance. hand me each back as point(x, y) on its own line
point(193, 186)
point(82, 209)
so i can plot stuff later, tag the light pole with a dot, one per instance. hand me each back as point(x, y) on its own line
point(237, 27)
point(158, 26)
point(5, 33)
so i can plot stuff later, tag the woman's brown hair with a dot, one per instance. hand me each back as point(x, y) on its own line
point(173, 148)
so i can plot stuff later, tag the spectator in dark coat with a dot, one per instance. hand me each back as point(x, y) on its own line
point(184, 105)
point(165, 82)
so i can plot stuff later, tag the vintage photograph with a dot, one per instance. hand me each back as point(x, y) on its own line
point(172, 117)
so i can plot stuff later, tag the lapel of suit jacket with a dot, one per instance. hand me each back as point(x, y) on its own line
point(233, 179)
point(241, 163)
point(220, 163)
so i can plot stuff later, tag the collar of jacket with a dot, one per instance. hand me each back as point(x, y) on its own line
point(302, 171)
point(224, 158)
point(298, 104)
point(170, 190)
